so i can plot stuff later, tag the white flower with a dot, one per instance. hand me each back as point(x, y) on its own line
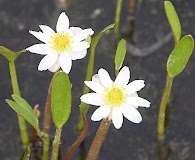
point(60, 47)
point(116, 99)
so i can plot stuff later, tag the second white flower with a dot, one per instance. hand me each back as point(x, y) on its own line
point(116, 99)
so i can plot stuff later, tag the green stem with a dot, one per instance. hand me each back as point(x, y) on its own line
point(26, 153)
point(56, 143)
point(16, 91)
point(163, 105)
point(45, 139)
point(117, 16)
point(83, 106)
point(98, 140)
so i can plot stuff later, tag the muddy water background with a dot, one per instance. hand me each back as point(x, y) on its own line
point(132, 141)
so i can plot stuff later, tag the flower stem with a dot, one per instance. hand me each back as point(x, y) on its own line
point(98, 140)
point(56, 143)
point(163, 105)
point(16, 91)
point(117, 16)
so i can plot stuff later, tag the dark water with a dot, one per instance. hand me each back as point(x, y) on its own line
point(132, 141)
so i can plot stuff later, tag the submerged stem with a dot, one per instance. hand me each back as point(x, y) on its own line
point(163, 105)
point(16, 91)
point(56, 144)
point(98, 140)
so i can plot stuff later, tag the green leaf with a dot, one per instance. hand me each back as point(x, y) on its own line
point(120, 54)
point(173, 20)
point(8, 54)
point(26, 153)
point(60, 99)
point(21, 107)
point(180, 55)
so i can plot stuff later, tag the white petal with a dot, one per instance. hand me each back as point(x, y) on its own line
point(96, 87)
point(62, 23)
point(77, 55)
point(83, 34)
point(39, 35)
point(65, 62)
point(55, 67)
point(75, 30)
point(105, 78)
point(100, 113)
point(117, 117)
point(138, 101)
point(135, 86)
point(131, 114)
point(47, 30)
point(123, 77)
point(42, 49)
point(47, 61)
point(93, 99)
point(80, 46)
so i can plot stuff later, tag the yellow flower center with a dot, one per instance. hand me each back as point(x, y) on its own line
point(60, 42)
point(115, 96)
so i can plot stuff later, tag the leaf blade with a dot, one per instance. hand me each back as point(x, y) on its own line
point(180, 55)
point(120, 54)
point(22, 108)
point(173, 20)
point(60, 99)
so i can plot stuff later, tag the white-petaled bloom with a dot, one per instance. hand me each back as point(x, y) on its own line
point(116, 99)
point(60, 47)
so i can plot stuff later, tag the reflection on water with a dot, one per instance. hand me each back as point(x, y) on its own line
point(132, 141)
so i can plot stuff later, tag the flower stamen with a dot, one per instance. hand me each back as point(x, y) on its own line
point(60, 42)
point(115, 96)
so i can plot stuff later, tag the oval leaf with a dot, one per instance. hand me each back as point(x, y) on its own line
point(173, 20)
point(120, 54)
point(21, 107)
point(180, 55)
point(60, 99)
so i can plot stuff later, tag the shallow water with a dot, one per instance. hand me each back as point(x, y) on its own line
point(132, 141)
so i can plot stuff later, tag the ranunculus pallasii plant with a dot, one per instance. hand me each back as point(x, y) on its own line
point(116, 99)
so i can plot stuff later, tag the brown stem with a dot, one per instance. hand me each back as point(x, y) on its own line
point(132, 5)
point(76, 144)
point(47, 112)
point(98, 140)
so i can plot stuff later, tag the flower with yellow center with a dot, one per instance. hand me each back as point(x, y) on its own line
point(60, 47)
point(116, 99)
